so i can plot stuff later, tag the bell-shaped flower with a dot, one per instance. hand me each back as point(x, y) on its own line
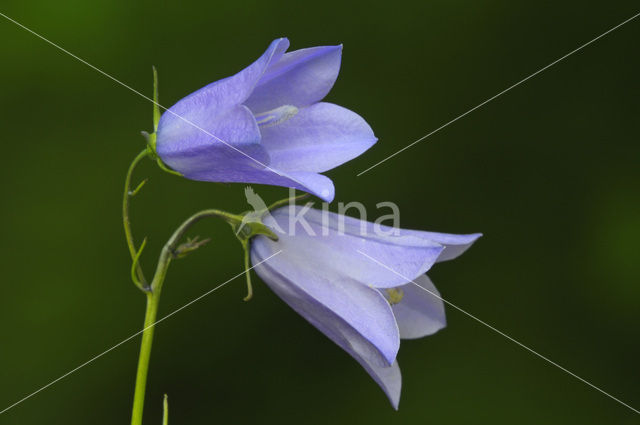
point(361, 284)
point(266, 124)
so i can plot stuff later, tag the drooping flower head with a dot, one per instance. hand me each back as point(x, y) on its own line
point(266, 124)
point(361, 284)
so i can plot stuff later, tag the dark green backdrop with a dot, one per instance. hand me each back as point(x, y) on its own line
point(549, 172)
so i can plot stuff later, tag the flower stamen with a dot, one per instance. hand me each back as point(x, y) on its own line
point(276, 116)
point(394, 295)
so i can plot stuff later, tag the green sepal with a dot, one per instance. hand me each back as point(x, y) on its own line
point(151, 138)
point(163, 167)
point(246, 230)
point(151, 144)
point(156, 105)
point(151, 151)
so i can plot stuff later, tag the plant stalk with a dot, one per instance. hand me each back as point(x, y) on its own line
point(170, 250)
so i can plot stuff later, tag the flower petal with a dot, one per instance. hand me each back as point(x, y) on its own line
point(316, 184)
point(185, 125)
point(357, 318)
point(318, 138)
point(454, 245)
point(381, 262)
point(195, 153)
point(420, 312)
point(298, 78)
point(333, 326)
point(241, 170)
point(387, 377)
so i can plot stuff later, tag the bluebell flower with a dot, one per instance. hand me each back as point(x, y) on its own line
point(266, 124)
point(326, 272)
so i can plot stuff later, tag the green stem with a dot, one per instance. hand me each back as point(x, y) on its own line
point(143, 360)
point(247, 268)
point(125, 216)
point(165, 410)
point(169, 251)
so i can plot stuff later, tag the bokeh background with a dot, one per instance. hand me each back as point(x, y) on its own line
point(549, 172)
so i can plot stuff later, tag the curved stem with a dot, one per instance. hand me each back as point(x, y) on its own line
point(170, 251)
point(247, 268)
point(287, 201)
point(125, 217)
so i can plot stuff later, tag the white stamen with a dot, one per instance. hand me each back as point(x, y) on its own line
point(276, 116)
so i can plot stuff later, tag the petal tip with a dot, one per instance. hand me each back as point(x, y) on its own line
point(327, 193)
point(280, 40)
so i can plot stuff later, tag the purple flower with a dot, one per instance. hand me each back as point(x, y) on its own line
point(350, 279)
point(266, 124)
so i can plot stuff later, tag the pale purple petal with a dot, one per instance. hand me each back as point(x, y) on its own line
point(318, 138)
point(316, 184)
point(212, 135)
point(356, 317)
point(371, 260)
point(387, 377)
point(420, 312)
point(298, 78)
point(191, 123)
point(454, 245)
point(330, 319)
point(313, 183)
point(191, 151)
point(216, 97)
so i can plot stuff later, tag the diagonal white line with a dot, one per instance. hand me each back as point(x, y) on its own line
point(499, 94)
point(147, 98)
point(133, 336)
point(532, 351)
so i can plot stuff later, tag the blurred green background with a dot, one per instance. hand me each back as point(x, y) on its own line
point(549, 172)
